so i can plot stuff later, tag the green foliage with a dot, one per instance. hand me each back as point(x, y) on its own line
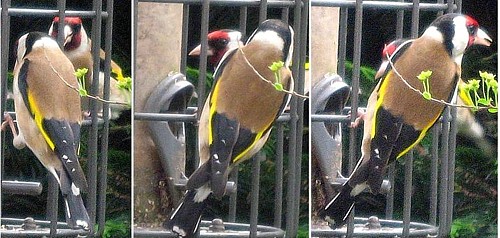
point(276, 67)
point(125, 84)
point(80, 75)
point(463, 227)
point(482, 91)
point(424, 77)
point(117, 228)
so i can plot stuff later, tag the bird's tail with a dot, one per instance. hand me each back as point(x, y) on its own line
point(187, 216)
point(75, 211)
point(337, 210)
point(76, 214)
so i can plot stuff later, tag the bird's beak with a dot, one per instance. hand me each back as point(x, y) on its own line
point(381, 70)
point(482, 38)
point(197, 51)
point(68, 34)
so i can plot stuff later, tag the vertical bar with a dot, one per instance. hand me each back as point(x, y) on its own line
point(389, 204)
point(243, 20)
point(202, 77)
point(292, 152)
point(407, 194)
point(389, 209)
point(4, 64)
point(278, 189)
point(254, 200)
point(184, 39)
point(94, 107)
point(342, 41)
point(358, 28)
point(451, 166)
point(52, 202)
point(450, 6)
point(444, 174)
point(458, 3)
point(400, 22)
point(263, 11)
point(285, 13)
point(434, 175)
point(103, 165)
point(61, 6)
point(439, 13)
point(203, 55)
point(233, 197)
point(304, 19)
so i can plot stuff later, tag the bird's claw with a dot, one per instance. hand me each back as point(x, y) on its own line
point(360, 116)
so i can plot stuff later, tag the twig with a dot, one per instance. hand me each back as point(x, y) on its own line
point(422, 94)
point(266, 80)
point(76, 89)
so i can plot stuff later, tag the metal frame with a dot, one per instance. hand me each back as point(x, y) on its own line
point(99, 128)
point(443, 163)
point(293, 120)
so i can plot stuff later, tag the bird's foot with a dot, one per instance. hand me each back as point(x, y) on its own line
point(360, 116)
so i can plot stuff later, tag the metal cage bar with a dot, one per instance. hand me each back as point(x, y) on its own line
point(443, 162)
point(96, 174)
point(292, 119)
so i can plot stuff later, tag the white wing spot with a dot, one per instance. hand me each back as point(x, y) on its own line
point(65, 157)
point(75, 189)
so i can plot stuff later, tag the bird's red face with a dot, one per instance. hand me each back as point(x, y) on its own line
point(72, 32)
point(476, 35)
point(389, 49)
point(219, 42)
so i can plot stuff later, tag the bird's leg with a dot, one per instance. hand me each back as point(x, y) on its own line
point(360, 116)
point(8, 120)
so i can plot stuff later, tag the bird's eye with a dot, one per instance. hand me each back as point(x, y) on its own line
point(77, 28)
point(472, 30)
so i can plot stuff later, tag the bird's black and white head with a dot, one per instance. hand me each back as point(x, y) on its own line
point(277, 33)
point(219, 42)
point(33, 41)
point(457, 32)
point(75, 36)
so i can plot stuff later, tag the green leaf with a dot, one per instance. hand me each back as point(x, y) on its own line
point(424, 75)
point(493, 110)
point(278, 86)
point(276, 66)
point(474, 84)
point(82, 92)
point(487, 76)
point(483, 101)
point(427, 95)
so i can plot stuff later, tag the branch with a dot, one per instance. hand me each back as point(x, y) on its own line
point(422, 94)
point(268, 81)
point(76, 89)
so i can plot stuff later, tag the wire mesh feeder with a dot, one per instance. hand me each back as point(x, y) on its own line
point(98, 128)
point(28, 227)
point(217, 228)
point(373, 227)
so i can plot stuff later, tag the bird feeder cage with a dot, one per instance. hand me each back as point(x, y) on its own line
point(168, 113)
point(96, 127)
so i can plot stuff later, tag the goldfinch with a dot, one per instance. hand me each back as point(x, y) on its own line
point(468, 126)
point(237, 117)
point(77, 47)
point(49, 116)
point(397, 117)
